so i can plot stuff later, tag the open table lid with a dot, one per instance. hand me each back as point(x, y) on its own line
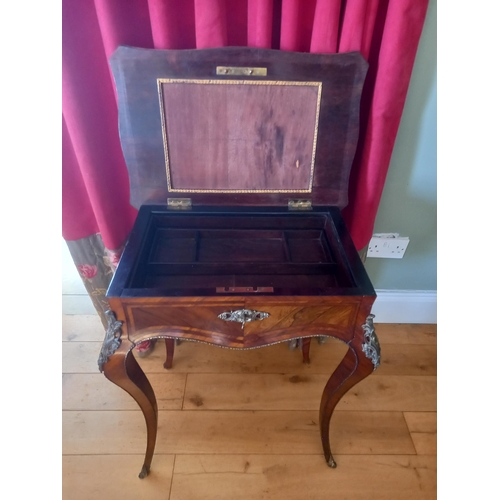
point(238, 126)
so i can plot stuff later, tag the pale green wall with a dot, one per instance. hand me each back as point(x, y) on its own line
point(408, 204)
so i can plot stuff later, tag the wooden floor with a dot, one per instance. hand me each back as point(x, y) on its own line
point(244, 424)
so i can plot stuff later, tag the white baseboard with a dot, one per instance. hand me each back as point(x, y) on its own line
point(391, 306)
point(405, 306)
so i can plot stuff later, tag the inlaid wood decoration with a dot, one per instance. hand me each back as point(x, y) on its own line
point(239, 136)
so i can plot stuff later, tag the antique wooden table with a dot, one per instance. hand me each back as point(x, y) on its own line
point(258, 254)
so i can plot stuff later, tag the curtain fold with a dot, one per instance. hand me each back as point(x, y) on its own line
point(389, 78)
point(325, 33)
point(357, 28)
point(297, 18)
point(75, 198)
point(95, 178)
point(211, 23)
point(172, 24)
point(117, 23)
point(91, 117)
point(260, 24)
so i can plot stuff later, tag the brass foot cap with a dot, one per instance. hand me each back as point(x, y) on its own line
point(145, 471)
point(331, 463)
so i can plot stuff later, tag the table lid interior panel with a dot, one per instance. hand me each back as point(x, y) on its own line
point(187, 131)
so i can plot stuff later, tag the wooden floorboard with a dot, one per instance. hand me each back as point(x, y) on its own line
point(109, 477)
point(302, 392)
point(228, 477)
point(92, 391)
point(213, 432)
point(244, 424)
point(423, 431)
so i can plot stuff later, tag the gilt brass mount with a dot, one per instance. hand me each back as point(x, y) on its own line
point(237, 70)
point(243, 316)
point(179, 203)
point(299, 205)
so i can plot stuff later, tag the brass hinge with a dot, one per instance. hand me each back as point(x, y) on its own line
point(299, 205)
point(179, 204)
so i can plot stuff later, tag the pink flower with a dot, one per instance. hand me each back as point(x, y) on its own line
point(87, 271)
point(114, 258)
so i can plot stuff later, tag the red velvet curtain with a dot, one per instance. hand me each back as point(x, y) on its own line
point(95, 180)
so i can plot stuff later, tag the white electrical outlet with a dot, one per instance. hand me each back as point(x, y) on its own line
point(387, 246)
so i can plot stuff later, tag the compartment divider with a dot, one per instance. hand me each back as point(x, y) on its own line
point(326, 246)
point(197, 238)
point(238, 268)
point(286, 248)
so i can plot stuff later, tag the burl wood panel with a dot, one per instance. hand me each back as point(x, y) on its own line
point(239, 135)
point(201, 322)
point(281, 318)
point(192, 321)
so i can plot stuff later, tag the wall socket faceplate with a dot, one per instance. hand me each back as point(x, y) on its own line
point(387, 246)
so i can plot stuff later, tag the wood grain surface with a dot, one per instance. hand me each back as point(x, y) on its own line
point(239, 136)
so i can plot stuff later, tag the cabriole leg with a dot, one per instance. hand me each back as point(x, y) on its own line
point(362, 358)
point(123, 370)
point(119, 365)
point(306, 346)
point(170, 347)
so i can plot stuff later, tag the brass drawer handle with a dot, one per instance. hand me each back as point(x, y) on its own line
point(243, 316)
